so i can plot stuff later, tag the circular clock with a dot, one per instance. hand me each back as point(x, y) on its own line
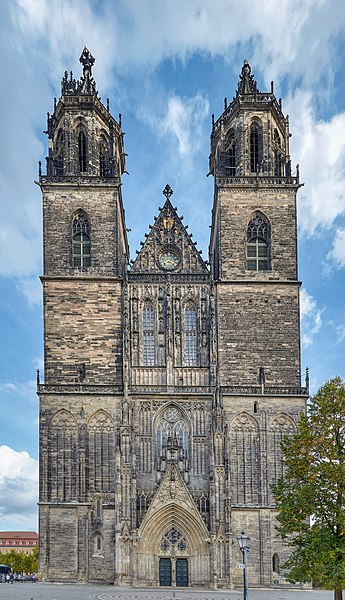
point(169, 260)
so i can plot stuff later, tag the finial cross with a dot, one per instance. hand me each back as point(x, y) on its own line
point(167, 192)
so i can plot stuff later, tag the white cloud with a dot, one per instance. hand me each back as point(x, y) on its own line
point(319, 146)
point(337, 254)
point(31, 288)
point(26, 389)
point(145, 33)
point(18, 485)
point(341, 332)
point(183, 120)
point(311, 318)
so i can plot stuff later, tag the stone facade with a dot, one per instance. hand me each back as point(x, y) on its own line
point(169, 382)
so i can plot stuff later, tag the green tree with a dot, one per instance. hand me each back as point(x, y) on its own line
point(310, 498)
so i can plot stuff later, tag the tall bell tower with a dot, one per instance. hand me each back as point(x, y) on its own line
point(253, 258)
point(253, 248)
point(85, 259)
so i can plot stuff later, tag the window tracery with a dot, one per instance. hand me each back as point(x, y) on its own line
point(82, 151)
point(172, 436)
point(255, 147)
point(58, 155)
point(103, 157)
point(277, 153)
point(172, 540)
point(191, 336)
point(230, 154)
point(81, 250)
point(258, 243)
point(148, 335)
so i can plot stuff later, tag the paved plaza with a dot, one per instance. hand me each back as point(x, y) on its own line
point(54, 591)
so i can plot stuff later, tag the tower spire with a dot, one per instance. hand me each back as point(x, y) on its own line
point(247, 83)
point(86, 84)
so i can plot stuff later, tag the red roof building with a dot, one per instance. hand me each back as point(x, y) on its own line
point(20, 541)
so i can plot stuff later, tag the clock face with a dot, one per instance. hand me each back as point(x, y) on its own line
point(169, 260)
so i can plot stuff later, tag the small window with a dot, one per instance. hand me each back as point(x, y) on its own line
point(148, 336)
point(82, 152)
point(275, 563)
point(81, 242)
point(258, 240)
point(256, 407)
point(98, 544)
point(98, 509)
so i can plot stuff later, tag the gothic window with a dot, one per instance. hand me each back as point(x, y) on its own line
point(103, 157)
point(58, 154)
point(255, 147)
point(97, 543)
point(279, 427)
point(172, 434)
point(275, 563)
point(62, 439)
point(148, 335)
point(245, 466)
point(82, 151)
point(81, 241)
point(230, 155)
point(258, 243)
point(277, 153)
point(191, 337)
point(101, 454)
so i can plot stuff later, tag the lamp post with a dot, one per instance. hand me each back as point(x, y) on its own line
point(243, 541)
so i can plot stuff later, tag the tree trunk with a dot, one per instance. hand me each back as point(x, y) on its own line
point(338, 594)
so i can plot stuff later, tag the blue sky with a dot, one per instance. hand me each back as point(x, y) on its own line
point(166, 65)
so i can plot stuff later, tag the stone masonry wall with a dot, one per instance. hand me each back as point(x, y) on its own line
point(100, 204)
point(236, 207)
point(258, 326)
point(83, 326)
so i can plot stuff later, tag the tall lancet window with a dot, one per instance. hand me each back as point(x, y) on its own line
point(191, 336)
point(277, 154)
point(103, 157)
point(58, 154)
point(230, 155)
point(82, 151)
point(258, 243)
point(255, 147)
point(81, 241)
point(148, 335)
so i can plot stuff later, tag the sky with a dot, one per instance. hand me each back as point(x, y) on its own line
point(166, 66)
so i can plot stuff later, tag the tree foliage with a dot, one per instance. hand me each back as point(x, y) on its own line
point(21, 562)
point(310, 498)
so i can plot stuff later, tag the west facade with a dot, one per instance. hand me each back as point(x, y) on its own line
point(169, 382)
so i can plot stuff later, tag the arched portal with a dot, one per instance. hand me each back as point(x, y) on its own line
point(173, 548)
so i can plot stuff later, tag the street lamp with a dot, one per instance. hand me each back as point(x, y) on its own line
point(243, 541)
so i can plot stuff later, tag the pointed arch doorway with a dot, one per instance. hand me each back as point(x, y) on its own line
point(173, 549)
point(173, 566)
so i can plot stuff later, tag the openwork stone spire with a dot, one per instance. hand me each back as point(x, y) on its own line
point(86, 84)
point(247, 83)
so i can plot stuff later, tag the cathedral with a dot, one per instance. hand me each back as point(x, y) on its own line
point(169, 381)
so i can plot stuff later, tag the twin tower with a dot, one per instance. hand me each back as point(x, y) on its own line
point(169, 382)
